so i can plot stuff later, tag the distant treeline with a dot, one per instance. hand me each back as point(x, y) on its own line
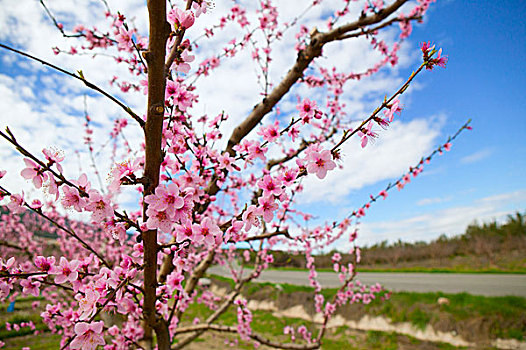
point(489, 241)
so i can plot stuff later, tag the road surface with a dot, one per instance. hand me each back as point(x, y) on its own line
point(477, 284)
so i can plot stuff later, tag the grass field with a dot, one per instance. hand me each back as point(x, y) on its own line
point(473, 317)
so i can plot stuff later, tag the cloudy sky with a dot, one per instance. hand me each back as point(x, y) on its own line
point(481, 178)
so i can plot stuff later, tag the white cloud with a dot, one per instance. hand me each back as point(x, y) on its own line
point(44, 108)
point(477, 156)
point(435, 200)
point(450, 221)
point(397, 148)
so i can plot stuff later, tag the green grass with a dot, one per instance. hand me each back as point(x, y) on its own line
point(505, 317)
point(24, 337)
point(23, 313)
point(267, 324)
point(45, 341)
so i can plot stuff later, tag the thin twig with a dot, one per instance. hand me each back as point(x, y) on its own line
point(81, 78)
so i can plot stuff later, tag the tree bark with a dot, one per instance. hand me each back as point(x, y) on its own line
point(155, 56)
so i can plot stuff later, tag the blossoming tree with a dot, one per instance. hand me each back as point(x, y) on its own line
point(199, 202)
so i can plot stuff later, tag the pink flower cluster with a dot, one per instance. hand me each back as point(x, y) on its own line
point(319, 161)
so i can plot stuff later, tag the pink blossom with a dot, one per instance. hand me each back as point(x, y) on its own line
point(227, 162)
point(207, 229)
point(72, 198)
point(116, 229)
point(124, 39)
point(319, 163)
point(87, 303)
point(179, 18)
point(440, 60)
point(121, 170)
point(17, 203)
point(270, 133)
point(199, 8)
point(293, 132)
point(183, 214)
point(54, 156)
point(30, 287)
point(329, 308)
point(166, 198)
point(184, 232)
point(34, 172)
point(45, 264)
point(82, 183)
point(158, 220)
point(52, 187)
point(288, 176)
point(268, 206)
point(395, 108)
point(4, 267)
point(270, 186)
point(36, 204)
point(66, 271)
point(250, 217)
point(4, 289)
point(174, 281)
point(88, 335)
point(307, 109)
point(426, 47)
point(233, 231)
point(181, 64)
point(366, 133)
point(256, 151)
point(100, 206)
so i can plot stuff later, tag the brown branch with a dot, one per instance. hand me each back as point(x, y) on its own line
point(14, 246)
point(268, 235)
point(174, 53)
point(254, 336)
point(305, 57)
point(303, 146)
point(159, 30)
point(383, 25)
point(81, 78)
point(92, 318)
point(47, 167)
point(347, 134)
point(22, 274)
point(198, 272)
point(68, 231)
point(224, 307)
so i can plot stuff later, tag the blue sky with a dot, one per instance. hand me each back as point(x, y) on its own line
point(483, 176)
point(480, 178)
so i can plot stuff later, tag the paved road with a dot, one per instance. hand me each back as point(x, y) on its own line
point(478, 284)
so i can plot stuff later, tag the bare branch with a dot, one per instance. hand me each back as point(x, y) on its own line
point(174, 53)
point(68, 231)
point(305, 57)
point(81, 78)
point(254, 336)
